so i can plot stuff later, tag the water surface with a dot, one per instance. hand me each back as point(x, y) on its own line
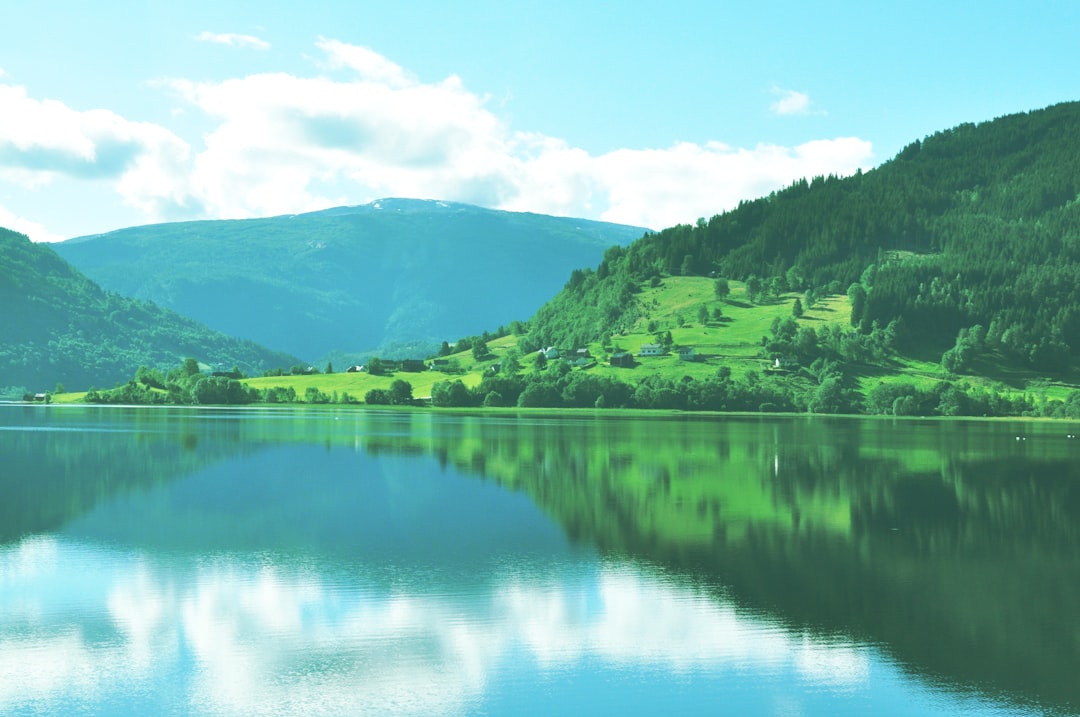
point(278, 562)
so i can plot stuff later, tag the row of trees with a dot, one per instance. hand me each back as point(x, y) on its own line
point(820, 388)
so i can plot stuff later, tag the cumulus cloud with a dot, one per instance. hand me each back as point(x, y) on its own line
point(659, 188)
point(791, 102)
point(373, 129)
point(363, 128)
point(42, 139)
point(233, 40)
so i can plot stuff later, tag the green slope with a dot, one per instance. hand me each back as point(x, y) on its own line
point(977, 225)
point(393, 277)
point(59, 326)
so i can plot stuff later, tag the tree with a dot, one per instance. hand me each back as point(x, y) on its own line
point(329, 367)
point(721, 287)
point(480, 350)
point(703, 314)
point(511, 362)
point(190, 367)
point(797, 309)
point(857, 296)
point(753, 288)
point(377, 397)
point(446, 394)
point(401, 393)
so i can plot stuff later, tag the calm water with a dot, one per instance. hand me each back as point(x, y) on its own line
point(288, 562)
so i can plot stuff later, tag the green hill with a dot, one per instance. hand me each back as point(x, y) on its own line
point(394, 277)
point(974, 229)
point(59, 326)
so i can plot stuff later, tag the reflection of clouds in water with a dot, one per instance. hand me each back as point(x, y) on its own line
point(263, 640)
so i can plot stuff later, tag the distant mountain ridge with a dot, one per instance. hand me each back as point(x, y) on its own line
point(59, 326)
point(392, 272)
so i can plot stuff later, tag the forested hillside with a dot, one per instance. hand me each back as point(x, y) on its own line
point(969, 238)
point(58, 326)
point(393, 277)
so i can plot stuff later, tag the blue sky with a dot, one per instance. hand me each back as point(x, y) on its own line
point(123, 113)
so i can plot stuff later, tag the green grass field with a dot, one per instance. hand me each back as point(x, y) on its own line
point(733, 340)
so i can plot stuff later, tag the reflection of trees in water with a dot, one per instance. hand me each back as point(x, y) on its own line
point(74, 459)
point(951, 543)
point(938, 540)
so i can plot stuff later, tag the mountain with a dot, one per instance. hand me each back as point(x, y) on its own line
point(59, 326)
point(969, 238)
point(393, 274)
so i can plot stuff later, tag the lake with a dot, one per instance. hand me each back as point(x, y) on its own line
point(169, 561)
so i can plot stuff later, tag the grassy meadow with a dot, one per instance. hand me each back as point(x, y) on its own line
point(732, 336)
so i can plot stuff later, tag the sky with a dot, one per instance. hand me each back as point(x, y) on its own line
point(646, 113)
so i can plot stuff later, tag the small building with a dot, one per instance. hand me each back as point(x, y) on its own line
point(785, 364)
point(356, 369)
point(622, 359)
point(440, 365)
point(687, 353)
point(582, 353)
point(551, 353)
point(413, 365)
point(651, 350)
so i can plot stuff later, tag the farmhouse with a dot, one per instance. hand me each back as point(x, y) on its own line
point(687, 353)
point(622, 359)
point(651, 350)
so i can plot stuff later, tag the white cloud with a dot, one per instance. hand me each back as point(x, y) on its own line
point(233, 40)
point(364, 61)
point(791, 102)
point(659, 188)
point(43, 139)
point(280, 143)
point(35, 231)
point(378, 131)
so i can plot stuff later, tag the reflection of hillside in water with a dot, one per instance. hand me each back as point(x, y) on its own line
point(59, 462)
point(953, 543)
